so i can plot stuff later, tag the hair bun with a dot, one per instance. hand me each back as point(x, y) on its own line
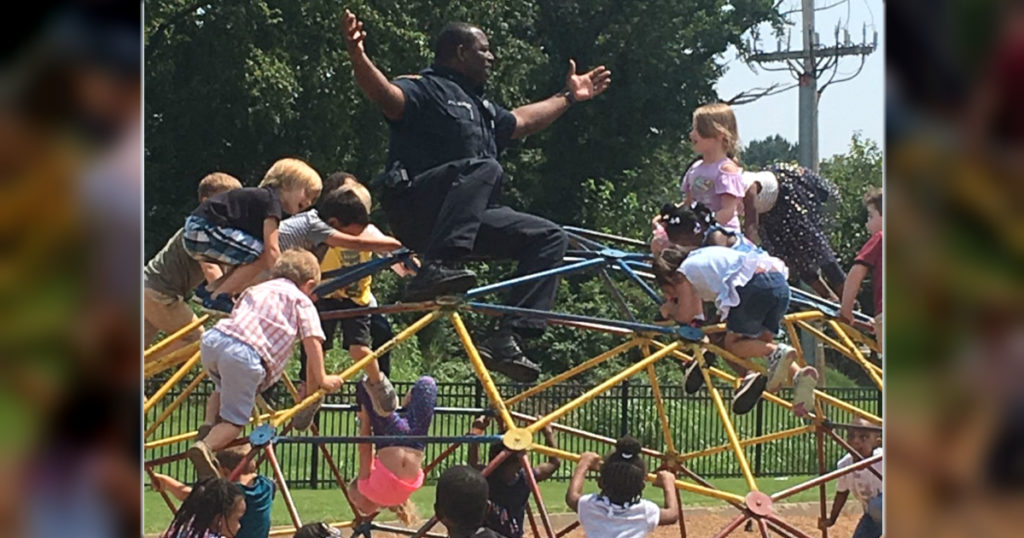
point(627, 446)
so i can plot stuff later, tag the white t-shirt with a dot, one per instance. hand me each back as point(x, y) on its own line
point(602, 519)
point(864, 483)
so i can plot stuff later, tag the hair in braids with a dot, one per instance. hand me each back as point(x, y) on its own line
point(623, 473)
point(205, 509)
point(685, 225)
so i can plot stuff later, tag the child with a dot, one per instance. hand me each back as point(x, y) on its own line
point(869, 258)
point(258, 491)
point(866, 486)
point(784, 210)
point(460, 502)
point(620, 511)
point(239, 228)
point(508, 486)
point(345, 211)
point(213, 509)
point(750, 292)
point(715, 179)
point(172, 274)
point(387, 479)
point(246, 352)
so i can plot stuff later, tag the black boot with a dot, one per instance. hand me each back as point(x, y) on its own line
point(436, 279)
point(503, 352)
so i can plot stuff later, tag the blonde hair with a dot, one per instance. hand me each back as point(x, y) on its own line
point(360, 190)
point(406, 512)
point(291, 173)
point(297, 265)
point(216, 183)
point(716, 120)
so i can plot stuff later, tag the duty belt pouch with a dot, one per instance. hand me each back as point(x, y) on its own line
point(394, 181)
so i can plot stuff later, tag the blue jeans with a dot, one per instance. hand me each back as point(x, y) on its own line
point(870, 525)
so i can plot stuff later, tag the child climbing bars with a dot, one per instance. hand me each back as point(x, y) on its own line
point(388, 477)
point(619, 510)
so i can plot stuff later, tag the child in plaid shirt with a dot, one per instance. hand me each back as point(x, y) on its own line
point(246, 353)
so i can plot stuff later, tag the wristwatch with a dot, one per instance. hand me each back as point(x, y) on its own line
point(568, 96)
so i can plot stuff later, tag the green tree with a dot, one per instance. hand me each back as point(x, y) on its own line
point(759, 154)
point(854, 172)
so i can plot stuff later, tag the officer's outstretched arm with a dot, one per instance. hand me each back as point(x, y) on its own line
point(370, 80)
point(537, 116)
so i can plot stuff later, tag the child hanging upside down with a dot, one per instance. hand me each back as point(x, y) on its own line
point(750, 292)
point(388, 478)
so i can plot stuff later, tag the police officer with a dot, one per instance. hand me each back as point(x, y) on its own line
point(443, 181)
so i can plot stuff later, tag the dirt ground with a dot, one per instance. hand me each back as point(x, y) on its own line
point(706, 522)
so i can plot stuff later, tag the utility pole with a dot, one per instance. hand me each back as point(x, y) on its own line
point(810, 64)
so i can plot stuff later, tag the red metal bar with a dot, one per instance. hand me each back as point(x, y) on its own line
point(682, 520)
point(181, 455)
point(572, 526)
point(533, 522)
point(386, 309)
point(825, 478)
point(167, 498)
point(425, 528)
point(762, 527)
point(822, 494)
point(237, 471)
point(283, 486)
point(787, 527)
point(856, 455)
point(733, 525)
point(532, 480)
point(441, 457)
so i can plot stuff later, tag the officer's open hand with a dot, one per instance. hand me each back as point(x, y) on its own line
point(588, 85)
point(354, 34)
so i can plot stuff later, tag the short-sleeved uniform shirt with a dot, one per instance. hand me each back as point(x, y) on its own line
point(446, 118)
point(870, 255)
point(245, 209)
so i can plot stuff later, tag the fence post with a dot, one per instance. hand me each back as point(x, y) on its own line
point(624, 425)
point(314, 458)
point(758, 432)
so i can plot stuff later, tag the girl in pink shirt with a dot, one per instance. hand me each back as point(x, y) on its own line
point(715, 179)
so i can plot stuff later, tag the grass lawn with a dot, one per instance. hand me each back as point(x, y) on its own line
point(316, 505)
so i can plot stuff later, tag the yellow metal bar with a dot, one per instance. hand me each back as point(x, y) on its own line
point(157, 347)
point(861, 337)
point(310, 399)
point(608, 384)
point(170, 360)
point(174, 379)
point(692, 488)
point(730, 432)
point(794, 340)
point(185, 436)
point(827, 339)
point(809, 315)
point(174, 405)
point(571, 372)
point(858, 356)
point(785, 434)
point(656, 389)
point(847, 407)
point(481, 371)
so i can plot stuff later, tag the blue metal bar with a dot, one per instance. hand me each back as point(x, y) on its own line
point(576, 267)
point(430, 439)
point(437, 410)
point(339, 278)
point(826, 306)
point(684, 332)
point(617, 295)
point(643, 285)
point(584, 241)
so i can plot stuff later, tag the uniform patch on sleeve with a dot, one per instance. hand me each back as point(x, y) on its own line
point(412, 76)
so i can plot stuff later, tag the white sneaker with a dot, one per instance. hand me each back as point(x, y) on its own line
point(778, 367)
point(804, 383)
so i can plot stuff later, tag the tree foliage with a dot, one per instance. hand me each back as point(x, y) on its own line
point(759, 154)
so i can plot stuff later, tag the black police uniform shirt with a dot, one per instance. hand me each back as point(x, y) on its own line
point(446, 118)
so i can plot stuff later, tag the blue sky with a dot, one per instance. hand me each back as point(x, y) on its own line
point(844, 108)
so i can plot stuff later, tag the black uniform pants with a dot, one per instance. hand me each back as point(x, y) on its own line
point(450, 212)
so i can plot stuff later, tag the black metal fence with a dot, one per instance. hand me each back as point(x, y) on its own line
point(628, 408)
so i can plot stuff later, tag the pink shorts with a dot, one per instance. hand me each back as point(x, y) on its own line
point(386, 489)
